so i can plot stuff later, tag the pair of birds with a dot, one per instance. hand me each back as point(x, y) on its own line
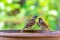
point(40, 23)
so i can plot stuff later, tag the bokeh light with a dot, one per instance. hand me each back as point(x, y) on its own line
point(21, 11)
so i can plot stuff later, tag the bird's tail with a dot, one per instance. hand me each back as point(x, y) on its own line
point(22, 30)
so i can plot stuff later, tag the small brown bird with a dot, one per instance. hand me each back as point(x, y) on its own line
point(30, 23)
point(43, 25)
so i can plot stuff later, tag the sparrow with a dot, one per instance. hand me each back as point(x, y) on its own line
point(43, 25)
point(30, 23)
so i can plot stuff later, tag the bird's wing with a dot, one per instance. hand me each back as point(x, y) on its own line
point(44, 24)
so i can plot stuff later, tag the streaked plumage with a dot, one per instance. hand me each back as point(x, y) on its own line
point(30, 23)
point(42, 24)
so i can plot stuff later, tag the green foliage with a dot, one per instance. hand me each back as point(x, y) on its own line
point(48, 9)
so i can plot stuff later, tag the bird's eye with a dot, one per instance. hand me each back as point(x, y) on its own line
point(40, 20)
point(33, 17)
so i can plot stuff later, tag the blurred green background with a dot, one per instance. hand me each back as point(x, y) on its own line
point(14, 14)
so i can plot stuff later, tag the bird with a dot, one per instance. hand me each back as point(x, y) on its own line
point(43, 25)
point(30, 23)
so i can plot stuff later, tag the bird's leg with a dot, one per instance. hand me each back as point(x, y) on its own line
point(22, 30)
point(30, 23)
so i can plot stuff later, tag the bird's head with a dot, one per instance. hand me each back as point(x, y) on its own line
point(40, 20)
point(34, 17)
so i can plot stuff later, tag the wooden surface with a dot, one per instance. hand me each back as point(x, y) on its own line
point(48, 34)
point(30, 36)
